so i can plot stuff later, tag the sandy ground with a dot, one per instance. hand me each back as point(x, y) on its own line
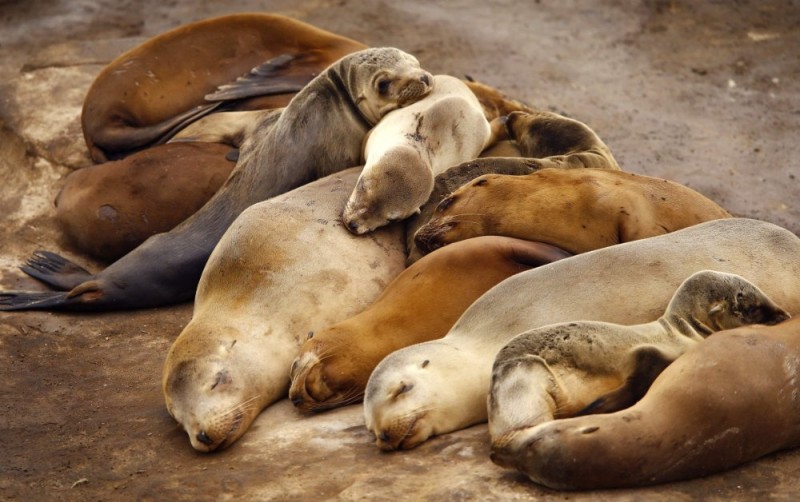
point(704, 93)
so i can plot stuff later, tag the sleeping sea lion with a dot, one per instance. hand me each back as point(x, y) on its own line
point(626, 284)
point(557, 371)
point(730, 399)
point(576, 209)
point(171, 79)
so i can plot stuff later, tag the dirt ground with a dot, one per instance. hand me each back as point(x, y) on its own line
point(706, 93)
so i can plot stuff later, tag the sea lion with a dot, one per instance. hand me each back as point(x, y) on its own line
point(409, 147)
point(94, 235)
point(576, 209)
point(162, 84)
point(320, 132)
point(108, 209)
point(286, 266)
point(556, 371)
point(628, 283)
point(728, 400)
point(538, 140)
point(564, 142)
point(420, 304)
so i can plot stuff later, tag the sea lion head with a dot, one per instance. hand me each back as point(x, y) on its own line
point(461, 215)
point(383, 79)
point(714, 301)
point(323, 376)
point(206, 390)
point(420, 391)
point(388, 190)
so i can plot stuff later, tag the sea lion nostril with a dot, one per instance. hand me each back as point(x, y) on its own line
point(425, 79)
point(297, 401)
point(203, 438)
point(352, 226)
point(384, 436)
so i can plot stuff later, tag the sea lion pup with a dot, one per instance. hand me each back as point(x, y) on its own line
point(556, 371)
point(285, 267)
point(101, 208)
point(407, 401)
point(728, 400)
point(420, 304)
point(409, 147)
point(564, 142)
point(320, 132)
point(167, 81)
point(576, 209)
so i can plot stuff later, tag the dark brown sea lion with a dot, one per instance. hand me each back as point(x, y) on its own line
point(728, 400)
point(108, 209)
point(420, 304)
point(576, 209)
point(320, 132)
point(161, 84)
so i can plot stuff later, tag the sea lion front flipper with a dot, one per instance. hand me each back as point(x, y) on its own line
point(646, 362)
point(275, 76)
point(55, 270)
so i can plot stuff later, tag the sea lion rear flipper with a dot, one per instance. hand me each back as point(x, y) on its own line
point(55, 270)
point(647, 362)
point(32, 300)
point(272, 77)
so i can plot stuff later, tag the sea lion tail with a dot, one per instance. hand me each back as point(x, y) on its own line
point(55, 270)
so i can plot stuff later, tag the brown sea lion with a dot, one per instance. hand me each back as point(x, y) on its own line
point(285, 266)
point(156, 87)
point(108, 209)
point(409, 147)
point(728, 400)
point(320, 132)
point(542, 139)
point(576, 209)
point(420, 304)
point(628, 283)
point(556, 371)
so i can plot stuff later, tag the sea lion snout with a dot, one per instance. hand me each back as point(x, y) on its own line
point(430, 237)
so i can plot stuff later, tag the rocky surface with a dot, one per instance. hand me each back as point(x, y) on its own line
point(703, 93)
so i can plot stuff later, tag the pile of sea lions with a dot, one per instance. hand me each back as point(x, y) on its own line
point(426, 244)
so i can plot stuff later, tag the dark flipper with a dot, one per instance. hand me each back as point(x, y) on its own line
point(267, 78)
point(55, 270)
point(35, 300)
point(648, 362)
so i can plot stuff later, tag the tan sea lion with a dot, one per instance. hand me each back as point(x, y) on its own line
point(409, 147)
point(628, 283)
point(420, 304)
point(728, 400)
point(320, 132)
point(162, 84)
point(108, 209)
point(576, 209)
point(285, 267)
point(558, 370)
